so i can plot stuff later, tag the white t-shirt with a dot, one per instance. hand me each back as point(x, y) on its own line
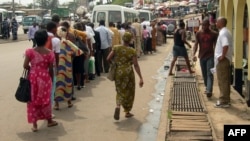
point(224, 39)
point(55, 43)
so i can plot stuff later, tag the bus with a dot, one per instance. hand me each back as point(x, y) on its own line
point(3, 14)
point(146, 14)
point(18, 15)
point(113, 13)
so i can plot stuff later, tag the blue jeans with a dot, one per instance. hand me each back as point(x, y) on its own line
point(206, 65)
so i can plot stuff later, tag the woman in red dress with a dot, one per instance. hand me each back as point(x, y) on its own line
point(39, 61)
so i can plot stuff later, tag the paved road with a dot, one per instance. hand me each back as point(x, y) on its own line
point(91, 118)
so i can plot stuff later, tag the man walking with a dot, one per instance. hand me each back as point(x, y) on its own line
point(138, 30)
point(106, 43)
point(5, 28)
point(206, 40)
point(223, 57)
point(31, 33)
point(14, 28)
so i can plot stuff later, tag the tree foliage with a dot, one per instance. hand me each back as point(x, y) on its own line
point(121, 2)
point(48, 4)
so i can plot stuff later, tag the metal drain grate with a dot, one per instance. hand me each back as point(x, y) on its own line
point(183, 74)
point(184, 79)
point(185, 97)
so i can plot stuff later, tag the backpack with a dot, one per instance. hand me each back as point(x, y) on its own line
point(48, 44)
point(79, 43)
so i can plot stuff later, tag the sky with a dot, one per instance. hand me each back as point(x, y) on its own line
point(26, 2)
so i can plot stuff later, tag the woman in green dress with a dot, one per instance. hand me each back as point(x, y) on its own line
point(124, 57)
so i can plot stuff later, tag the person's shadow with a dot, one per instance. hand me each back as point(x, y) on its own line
point(44, 133)
point(130, 124)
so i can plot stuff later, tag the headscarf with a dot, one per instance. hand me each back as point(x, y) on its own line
point(127, 37)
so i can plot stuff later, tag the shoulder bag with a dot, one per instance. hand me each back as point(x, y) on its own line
point(23, 92)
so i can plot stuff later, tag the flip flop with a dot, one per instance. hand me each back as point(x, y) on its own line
point(56, 108)
point(34, 129)
point(70, 105)
point(53, 123)
point(129, 115)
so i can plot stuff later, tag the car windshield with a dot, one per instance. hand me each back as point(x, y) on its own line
point(29, 19)
point(45, 21)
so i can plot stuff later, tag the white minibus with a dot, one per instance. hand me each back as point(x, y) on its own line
point(146, 14)
point(113, 13)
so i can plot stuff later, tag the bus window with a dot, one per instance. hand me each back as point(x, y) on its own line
point(129, 17)
point(115, 16)
point(144, 15)
point(101, 16)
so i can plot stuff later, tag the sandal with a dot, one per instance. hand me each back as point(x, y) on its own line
point(117, 113)
point(70, 105)
point(33, 129)
point(52, 123)
point(56, 108)
point(129, 115)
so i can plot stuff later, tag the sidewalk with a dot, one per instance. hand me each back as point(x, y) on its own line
point(238, 113)
point(21, 37)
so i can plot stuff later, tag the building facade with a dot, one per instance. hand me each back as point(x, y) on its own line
point(236, 12)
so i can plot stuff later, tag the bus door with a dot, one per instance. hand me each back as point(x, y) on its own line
point(1, 22)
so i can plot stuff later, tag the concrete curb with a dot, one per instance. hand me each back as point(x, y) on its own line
point(22, 37)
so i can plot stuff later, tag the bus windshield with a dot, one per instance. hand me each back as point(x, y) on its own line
point(115, 16)
point(144, 15)
point(29, 19)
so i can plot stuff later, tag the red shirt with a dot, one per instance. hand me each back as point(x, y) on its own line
point(206, 42)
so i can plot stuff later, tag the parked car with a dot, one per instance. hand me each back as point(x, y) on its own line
point(29, 20)
point(45, 22)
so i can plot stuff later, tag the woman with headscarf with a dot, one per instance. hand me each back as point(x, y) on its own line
point(39, 61)
point(64, 84)
point(124, 57)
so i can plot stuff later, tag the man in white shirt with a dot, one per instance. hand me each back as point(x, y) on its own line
point(31, 33)
point(223, 58)
point(53, 43)
point(106, 43)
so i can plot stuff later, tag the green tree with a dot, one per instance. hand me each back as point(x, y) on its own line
point(30, 6)
point(121, 2)
point(47, 4)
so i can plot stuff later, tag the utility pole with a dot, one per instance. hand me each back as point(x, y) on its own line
point(13, 8)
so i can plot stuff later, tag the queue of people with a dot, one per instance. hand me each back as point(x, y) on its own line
point(56, 64)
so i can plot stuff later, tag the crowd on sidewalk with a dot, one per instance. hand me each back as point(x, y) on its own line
point(64, 58)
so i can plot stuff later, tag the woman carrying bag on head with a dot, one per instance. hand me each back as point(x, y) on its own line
point(124, 57)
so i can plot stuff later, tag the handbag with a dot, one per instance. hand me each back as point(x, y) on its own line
point(111, 74)
point(81, 45)
point(23, 91)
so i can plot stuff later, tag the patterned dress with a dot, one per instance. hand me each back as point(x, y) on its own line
point(64, 84)
point(124, 76)
point(40, 106)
